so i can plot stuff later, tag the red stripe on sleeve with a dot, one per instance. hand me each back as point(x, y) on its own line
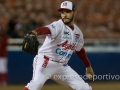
point(42, 30)
point(83, 56)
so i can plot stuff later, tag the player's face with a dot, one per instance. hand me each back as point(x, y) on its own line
point(67, 16)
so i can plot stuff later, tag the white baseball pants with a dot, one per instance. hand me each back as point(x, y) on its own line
point(44, 69)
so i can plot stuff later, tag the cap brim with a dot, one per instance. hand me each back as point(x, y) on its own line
point(60, 9)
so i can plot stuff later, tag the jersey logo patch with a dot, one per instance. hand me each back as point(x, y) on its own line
point(77, 37)
point(53, 26)
point(66, 35)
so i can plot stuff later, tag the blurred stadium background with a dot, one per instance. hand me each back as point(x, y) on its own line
point(99, 21)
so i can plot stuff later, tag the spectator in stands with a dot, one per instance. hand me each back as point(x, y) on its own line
point(3, 55)
point(93, 12)
point(11, 25)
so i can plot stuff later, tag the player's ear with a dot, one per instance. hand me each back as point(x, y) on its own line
point(75, 13)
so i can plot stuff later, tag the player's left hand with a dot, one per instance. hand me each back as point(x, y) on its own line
point(30, 43)
point(89, 72)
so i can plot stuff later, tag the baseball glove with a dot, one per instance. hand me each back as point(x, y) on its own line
point(30, 43)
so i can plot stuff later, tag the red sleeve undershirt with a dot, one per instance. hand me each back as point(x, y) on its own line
point(42, 30)
point(83, 56)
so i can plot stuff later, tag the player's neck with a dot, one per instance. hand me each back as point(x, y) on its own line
point(72, 27)
point(71, 24)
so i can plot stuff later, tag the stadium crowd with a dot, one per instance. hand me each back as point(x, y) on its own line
point(96, 18)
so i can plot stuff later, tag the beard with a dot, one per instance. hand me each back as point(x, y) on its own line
point(69, 20)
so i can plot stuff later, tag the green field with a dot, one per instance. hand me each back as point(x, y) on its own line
point(95, 86)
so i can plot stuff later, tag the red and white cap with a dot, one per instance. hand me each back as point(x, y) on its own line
point(67, 5)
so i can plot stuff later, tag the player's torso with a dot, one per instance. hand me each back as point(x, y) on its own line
point(66, 42)
point(63, 45)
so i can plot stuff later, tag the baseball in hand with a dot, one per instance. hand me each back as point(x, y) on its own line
point(89, 75)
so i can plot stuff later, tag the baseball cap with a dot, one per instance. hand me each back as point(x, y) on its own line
point(67, 5)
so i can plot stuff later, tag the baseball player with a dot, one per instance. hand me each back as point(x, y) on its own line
point(63, 38)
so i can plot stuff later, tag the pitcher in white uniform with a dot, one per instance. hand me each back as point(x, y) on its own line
point(63, 38)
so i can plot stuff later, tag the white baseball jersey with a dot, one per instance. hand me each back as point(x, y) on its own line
point(58, 46)
point(62, 42)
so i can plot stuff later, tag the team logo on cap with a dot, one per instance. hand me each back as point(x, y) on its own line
point(64, 4)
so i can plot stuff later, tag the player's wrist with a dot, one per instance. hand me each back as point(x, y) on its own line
point(35, 32)
point(87, 67)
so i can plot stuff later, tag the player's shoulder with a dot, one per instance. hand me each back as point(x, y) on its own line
point(77, 28)
point(58, 22)
point(78, 31)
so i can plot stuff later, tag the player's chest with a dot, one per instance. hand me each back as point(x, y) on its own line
point(70, 35)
